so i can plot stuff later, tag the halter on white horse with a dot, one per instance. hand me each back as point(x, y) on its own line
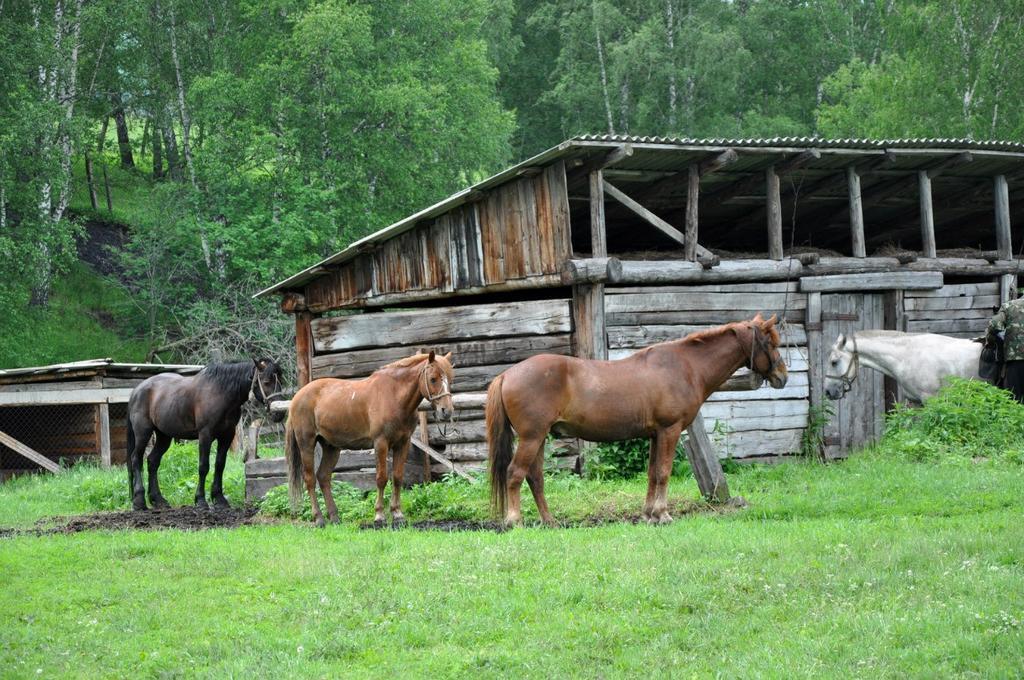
point(919, 362)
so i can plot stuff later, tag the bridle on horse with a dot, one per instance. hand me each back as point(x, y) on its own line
point(256, 382)
point(850, 374)
point(761, 342)
point(445, 392)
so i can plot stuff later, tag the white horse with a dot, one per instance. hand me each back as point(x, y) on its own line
point(919, 362)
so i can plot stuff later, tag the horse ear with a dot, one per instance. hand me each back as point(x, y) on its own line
point(768, 323)
point(448, 357)
point(757, 318)
point(840, 341)
point(430, 357)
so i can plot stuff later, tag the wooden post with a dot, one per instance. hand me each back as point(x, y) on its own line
point(924, 186)
point(1004, 246)
point(425, 437)
point(894, 319)
point(707, 469)
point(1007, 288)
point(692, 198)
point(598, 234)
point(103, 431)
point(27, 451)
point(588, 321)
point(774, 199)
point(89, 181)
point(815, 348)
point(303, 348)
point(856, 212)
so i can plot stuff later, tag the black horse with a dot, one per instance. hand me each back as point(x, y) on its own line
point(206, 407)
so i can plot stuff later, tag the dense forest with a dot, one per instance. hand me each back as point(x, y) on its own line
point(194, 151)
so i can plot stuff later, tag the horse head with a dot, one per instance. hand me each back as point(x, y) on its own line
point(266, 380)
point(765, 359)
point(842, 367)
point(435, 384)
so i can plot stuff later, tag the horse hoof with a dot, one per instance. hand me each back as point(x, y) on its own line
point(201, 504)
point(398, 522)
point(139, 507)
point(379, 524)
point(221, 503)
point(320, 523)
point(160, 504)
point(665, 518)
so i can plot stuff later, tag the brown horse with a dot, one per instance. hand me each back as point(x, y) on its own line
point(656, 393)
point(378, 412)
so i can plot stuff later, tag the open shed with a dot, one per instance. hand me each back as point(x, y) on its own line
point(604, 245)
point(65, 413)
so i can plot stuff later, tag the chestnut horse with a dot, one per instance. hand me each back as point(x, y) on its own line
point(656, 393)
point(378, 412)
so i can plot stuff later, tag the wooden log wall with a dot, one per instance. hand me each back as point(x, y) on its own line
point(742, 424)
point(484, 341)
point(961, 310)
point(517, 232)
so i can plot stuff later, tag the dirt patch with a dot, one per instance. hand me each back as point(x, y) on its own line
point(600, 518)
point(185, 518)
point(100, 245)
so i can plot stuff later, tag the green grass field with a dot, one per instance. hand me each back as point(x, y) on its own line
point(875, 567)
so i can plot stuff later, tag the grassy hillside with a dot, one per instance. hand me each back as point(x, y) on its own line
point(86, 318)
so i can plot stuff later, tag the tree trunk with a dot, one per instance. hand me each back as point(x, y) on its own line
point(124, 144)
point(101, 140)
point(186, 121)
point(673, 94)
point(158, 159)
point(171, 147)
point(145, 138)
point(604, 71)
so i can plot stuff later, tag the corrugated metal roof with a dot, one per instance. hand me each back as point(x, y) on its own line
point(583, 143)
point(815, 142)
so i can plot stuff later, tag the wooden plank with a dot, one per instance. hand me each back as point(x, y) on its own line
point(924, 190)
point(303, 348)
point(871, 281)
point(703, 301)
point(424, 435)
point(815, 348)
point(793, 314)
point(760, 424)
point(921, 304)
point(28, 452)
point(758, 443)
point(622, 337)
point(958, 289)
point(559, 192)
point(796, 388)
point(692, 198)
point(362, 362)
point(598, 234)
point(773, 199)
point(755, 408)
point(536, 317)
point(742, 287)
point(950, 314)
point(589, 331)
point(103, 418)
point(655, 221)
point(93, 396)
point(942, 327)
point(707, 469)
point(1007, 288)
point(1004, 246)
point(449, 465)
point(856, 212)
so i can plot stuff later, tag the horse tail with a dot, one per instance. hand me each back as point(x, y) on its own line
point(499, 445)
point(293, 462)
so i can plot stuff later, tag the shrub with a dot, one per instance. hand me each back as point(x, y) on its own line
point(966, 419)
point(628, 458)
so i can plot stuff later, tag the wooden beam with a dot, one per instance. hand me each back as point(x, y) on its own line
point(452, 467)
point(1007, 288)
point(303, 347)
point(27, 451)
point(589, 321)
point(103, 422)
point(592, 270)
point(856, 212)
point(1004, 244)
point(717, 162)
point(924, 187)
point(609, 159)
point(707, 469)
point(692, 198)
point(729, 271)
point(424, 437)
point(753, 182)
point(773, 200)
point(664, 227)
point(117, 395)
point(900, 280)
point(598, 233)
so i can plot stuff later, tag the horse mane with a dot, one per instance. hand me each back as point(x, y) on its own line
point(233, 377)
point(712, 333)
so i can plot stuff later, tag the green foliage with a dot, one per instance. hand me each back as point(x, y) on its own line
point(627, 459)
point(812, 441)
point(966, 419)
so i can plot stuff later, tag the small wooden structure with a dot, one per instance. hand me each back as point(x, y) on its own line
point(604, 245)
point(67, 412)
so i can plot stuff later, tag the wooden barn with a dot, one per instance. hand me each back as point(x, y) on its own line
point(604, 245)
point(61, 414)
